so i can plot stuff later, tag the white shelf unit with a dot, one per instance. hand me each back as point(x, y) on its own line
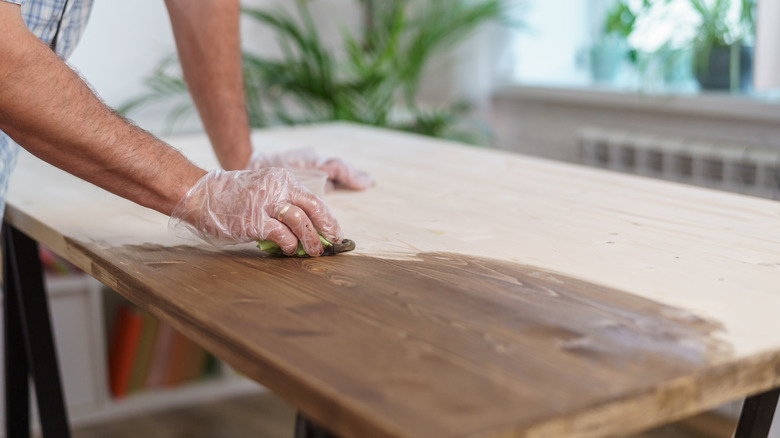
point(79, 313)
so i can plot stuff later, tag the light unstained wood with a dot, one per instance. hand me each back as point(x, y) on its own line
point(491, 295)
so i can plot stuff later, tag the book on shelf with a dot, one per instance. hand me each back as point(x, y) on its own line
point(159, 362)
point(55, 265)
point(173, 372)
point(146, 353)
point(123, 349)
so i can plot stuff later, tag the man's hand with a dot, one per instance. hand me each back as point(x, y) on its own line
point(338, 171)
point(243, 206)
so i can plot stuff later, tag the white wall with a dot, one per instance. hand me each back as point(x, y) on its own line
point(122, 42)
point(767, 57)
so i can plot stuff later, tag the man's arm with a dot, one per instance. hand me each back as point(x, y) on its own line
point(48, 109)
point(209, 46)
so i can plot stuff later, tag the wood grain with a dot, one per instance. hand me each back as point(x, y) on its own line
point(265, 416)
point(490, 295)
point(474, 341)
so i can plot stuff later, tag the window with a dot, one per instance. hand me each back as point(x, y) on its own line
point(645, 45)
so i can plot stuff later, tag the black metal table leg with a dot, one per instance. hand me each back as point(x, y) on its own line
point(757, 414)
point(30, 349)
point(304, 428)
point(17, 389)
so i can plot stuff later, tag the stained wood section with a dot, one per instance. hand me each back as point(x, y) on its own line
point(474, 341)
point(264, 416)
point(490, 295)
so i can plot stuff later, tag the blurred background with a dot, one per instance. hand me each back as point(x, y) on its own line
point(662, 88)
point(683, 90)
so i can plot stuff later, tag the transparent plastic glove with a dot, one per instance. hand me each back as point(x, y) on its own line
point(242, 206)
point(338, 171)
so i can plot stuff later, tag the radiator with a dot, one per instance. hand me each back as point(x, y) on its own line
point(737, 168)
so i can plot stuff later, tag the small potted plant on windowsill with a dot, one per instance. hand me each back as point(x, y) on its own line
point(610, 51)
point(723, 52)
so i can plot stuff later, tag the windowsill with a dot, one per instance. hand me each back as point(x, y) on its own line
point(709, 104)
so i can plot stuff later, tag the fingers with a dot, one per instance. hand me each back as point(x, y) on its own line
point(297, 221)
point(283, 237)
point(344, 174)
point(319, 214)
point(338, 171)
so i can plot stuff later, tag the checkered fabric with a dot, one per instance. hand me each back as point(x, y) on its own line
point(9, 151)
point(47, 19)
point(64, 19)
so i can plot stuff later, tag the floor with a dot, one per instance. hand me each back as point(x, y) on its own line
point(265, 416)
point(256, 416)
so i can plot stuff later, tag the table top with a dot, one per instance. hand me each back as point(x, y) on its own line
point(490, 294)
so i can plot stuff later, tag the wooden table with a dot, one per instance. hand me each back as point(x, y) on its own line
point(491, 294)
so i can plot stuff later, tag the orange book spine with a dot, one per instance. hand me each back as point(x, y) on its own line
point(195, 360)
point(117, 336)
point(124, 345)
point(144, 353)
point(160, 357)
point(175, 360)
point(186, 362)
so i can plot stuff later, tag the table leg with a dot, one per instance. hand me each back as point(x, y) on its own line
point(757, 414)
point(17, 386)
point(304, 428)
point(32, 347)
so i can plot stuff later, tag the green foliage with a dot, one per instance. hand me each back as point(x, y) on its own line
point(622, 17)
point(164, 84)
point(716, 30)
point(375, 82)
point(715, 27)
point(620, 20)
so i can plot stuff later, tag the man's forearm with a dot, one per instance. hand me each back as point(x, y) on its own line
point(47, 108)
point(208, 42)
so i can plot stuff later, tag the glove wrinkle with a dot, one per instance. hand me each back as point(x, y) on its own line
point(230, 207)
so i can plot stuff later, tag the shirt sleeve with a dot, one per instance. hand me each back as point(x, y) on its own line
point(16, 2)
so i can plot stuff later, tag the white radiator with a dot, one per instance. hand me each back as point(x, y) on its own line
point(743, 169)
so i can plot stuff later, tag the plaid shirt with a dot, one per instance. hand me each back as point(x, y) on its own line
point(59, 24)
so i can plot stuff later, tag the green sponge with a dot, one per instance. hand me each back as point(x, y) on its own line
point(271, 248)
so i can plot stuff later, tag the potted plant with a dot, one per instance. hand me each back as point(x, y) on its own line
point(375, 79)
point(722, 48)
point(611, 49)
